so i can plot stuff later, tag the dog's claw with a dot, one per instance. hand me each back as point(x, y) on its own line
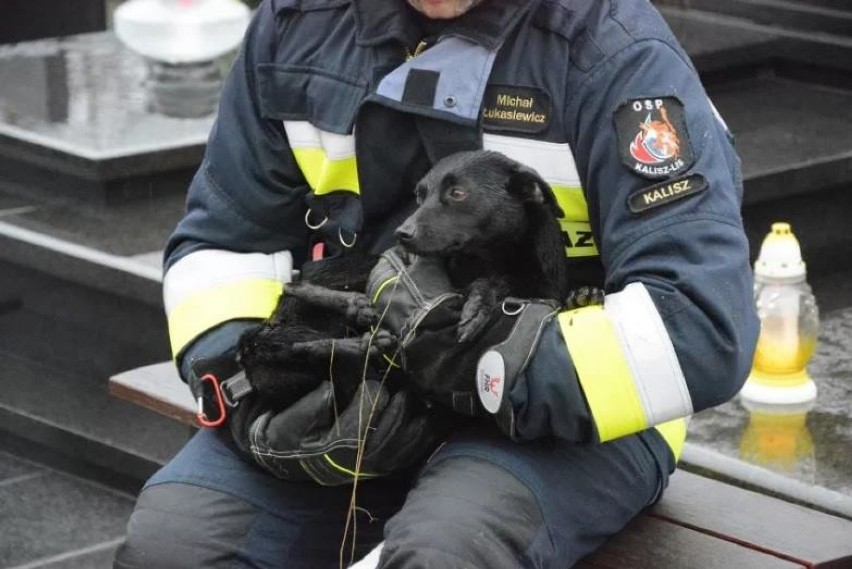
point(583, 296)
point(378, 343)
point(361, 312)
point(470, 328)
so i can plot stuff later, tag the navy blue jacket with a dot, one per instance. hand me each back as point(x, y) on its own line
point(597, 95)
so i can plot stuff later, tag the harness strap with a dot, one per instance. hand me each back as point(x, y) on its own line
point(236, 388)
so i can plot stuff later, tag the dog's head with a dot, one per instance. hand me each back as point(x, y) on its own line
point(472, 202)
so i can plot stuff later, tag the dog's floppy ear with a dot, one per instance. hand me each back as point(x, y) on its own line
point(531, 187)
point(547, 246)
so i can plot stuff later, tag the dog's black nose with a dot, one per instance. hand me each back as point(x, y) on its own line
point(404, 234)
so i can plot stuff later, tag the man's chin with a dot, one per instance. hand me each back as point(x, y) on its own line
point(443, 9)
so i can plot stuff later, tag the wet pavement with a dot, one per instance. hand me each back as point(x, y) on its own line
point(811, 446)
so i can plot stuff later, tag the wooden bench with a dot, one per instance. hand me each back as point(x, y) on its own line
point(699, 524)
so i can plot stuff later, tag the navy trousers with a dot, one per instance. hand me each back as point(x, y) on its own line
point(481, 501)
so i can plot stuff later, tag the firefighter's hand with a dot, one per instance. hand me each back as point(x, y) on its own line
point(376, 434)
point(471, 377)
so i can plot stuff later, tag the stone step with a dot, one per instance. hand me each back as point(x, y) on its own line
point(825, 17)
point(794, 137)
point(722, 44)
point(60, 341)
point(55, 520)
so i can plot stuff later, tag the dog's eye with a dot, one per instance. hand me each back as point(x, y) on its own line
point(457, 194)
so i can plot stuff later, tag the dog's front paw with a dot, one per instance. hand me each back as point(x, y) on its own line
point(471, 326)
point(583, 296)
point(360, 311)
point(379, 342)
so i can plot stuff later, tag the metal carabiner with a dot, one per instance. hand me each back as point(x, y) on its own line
point(308, 221)
point(343, 241)
point(513, 306)
point(203, 419)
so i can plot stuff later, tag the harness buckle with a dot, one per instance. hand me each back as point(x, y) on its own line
point(219, 396)
point(235, 388)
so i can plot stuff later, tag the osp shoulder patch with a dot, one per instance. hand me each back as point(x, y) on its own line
point(652, 137)
point(514, 108)
point(666, 192)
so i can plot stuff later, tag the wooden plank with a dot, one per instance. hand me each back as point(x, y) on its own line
point(649, 543)
point(157, 387)
point(699, 522)
point(804, 536)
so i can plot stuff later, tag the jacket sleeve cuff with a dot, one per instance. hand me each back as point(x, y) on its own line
point(219, 341)
point(546, 398)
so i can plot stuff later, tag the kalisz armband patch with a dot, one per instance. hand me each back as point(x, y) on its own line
point(665, 192)
point(652, 137)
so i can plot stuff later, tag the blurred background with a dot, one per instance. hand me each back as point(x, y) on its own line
point(98, 142)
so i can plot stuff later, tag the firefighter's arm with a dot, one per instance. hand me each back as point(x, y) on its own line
point(228, 257)
point(677, 330)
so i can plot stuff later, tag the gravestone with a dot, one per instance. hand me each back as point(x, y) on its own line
point(23, 20)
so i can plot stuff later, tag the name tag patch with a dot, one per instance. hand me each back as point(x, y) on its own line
point(652, 137)
point(666, 192)
point(519, 109)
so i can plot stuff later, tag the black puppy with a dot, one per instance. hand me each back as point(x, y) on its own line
point(491, 218)
point(494, 220)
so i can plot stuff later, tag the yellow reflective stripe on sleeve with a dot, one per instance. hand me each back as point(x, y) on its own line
point(603, 372)
point(327, 159)
point(674, 433)
point(205, 309)
point(325, 175)
point(207, 268)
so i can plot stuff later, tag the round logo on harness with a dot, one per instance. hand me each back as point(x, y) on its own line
point(490, 379)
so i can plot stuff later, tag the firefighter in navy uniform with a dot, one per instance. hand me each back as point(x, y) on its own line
point(361, 97)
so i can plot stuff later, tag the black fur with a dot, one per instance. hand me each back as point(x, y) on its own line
point(287, 355)
point(495, 221)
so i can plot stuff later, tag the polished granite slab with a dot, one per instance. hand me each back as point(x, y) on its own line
point(85, 95)
point(81, 106)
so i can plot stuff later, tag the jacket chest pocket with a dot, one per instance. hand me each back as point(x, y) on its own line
point(318, 111)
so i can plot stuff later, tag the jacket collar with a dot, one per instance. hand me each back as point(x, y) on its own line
point(487, 24)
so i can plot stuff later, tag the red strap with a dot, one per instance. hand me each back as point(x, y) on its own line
point(318, 251)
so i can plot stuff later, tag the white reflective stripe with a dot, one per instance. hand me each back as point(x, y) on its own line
point(553, 161)
point(371, 561)
point(650, 354)
point(302, 134)
point(211, 267)
point(717, 114)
